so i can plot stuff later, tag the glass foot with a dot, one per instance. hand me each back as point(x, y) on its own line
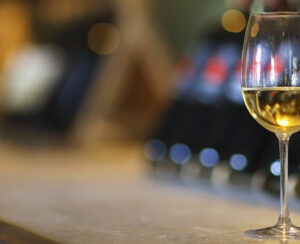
point(275, 233)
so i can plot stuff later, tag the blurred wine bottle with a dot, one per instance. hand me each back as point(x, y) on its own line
point(48, 78)
point(208, 116)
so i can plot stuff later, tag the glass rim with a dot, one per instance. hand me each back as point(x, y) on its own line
point(279, 13)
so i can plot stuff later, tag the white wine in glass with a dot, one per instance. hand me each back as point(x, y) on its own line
point(271, 91)
point(275, 108)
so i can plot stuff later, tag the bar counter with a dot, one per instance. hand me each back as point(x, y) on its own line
point(105, 194)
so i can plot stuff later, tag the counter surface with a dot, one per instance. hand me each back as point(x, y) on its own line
point(105, 195)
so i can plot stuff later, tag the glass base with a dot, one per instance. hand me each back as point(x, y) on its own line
point(275, 232)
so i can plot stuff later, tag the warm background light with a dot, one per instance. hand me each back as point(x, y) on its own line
point(233, 21)
point(103, 38)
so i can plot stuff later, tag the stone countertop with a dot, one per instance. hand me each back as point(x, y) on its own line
point(104, 195)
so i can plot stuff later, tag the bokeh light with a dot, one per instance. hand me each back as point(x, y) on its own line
point(275, 167)
point(209, 157)
point(233, 21)
point(180, 153)
point(155, 149)
point(238, 162)
point(103, 38)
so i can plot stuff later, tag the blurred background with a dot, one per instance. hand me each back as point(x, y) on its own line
point(161, 75)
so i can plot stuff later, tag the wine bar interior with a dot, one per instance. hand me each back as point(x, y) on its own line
point(123, 121)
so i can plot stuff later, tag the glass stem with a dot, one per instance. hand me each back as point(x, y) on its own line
point(284, 221)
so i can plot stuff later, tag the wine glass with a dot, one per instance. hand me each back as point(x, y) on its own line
point(271, 91)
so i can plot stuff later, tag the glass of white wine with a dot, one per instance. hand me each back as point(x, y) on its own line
point(271, 91)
